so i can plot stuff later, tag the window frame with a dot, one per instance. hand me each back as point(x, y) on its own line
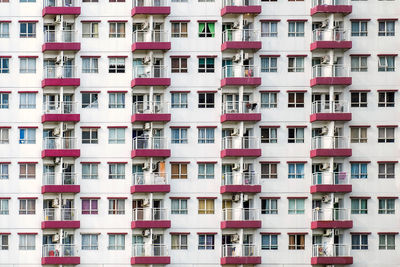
point(206, 132)
point(182, 134)
point(27, 242)
point(267, 135)
point(4, 65)
point(4, 206)
point(3, 26)
point(206, 103)
point(92, 203)
point(299, 242)
point(27, 135)
point(359, 103)
point(296, 32)
point(92, 174)
point(115, 245)
point(93, 243)
point(27, 167)
point(206, 242)
point(384, 244)
point(361, 242)
point(116, 34)
point(181, 63)
point(296, 99)
point(113, 136)
point(4, 242)
point(25, 210)
point(116, 202)
point(385, 208)
point(25, 64)
point(27, 34)
point(93, 100)
point(269, 64)
point(271, 242)
point(359, 61)
point(4, 175)
point(298, 202)
point(270, 204)
point(182, 241)
point(384, 136)
point(180, 205)
point(182, 169)
point(4, 100)
point(116, 65)
point(270, 174)
point(209, 206)
point(359, 32)
point(269, 27)
point(116, 171)
point(359, 132)
point(4, 136)
point(180, 33)
point(293, 135)
point(386, 31)
point(386, 166)
point(207, 32)
point(205, 175)
point(386, 99)
point(296, 64)
point(116, 100)
point(93, 136)
point(359, 205)
point(208, 66)
point(27, 100)
point(385, 67)
point(91, 27)
point(93, 65)
point(270, 103)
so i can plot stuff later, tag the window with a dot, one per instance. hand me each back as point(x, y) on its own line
point(386, 63)
point(296, 206)
point(269, 100)
point(116, 65)
point(387, 241)
point(386, 170)
point(206, 206)
point(359, 100)
point(4, 171)
point(269, 171)
point(296, 29)
point(27, 206)
point(269, 242)
point(179, 241)
point(296, 64)
point(359, 241)
point(206, 29)
point(4, 29)
point(27, 242)
point(206, 171)
point(4, 98)
point(27, 136)
point(116, 136)
point(206, 64)
point(386, 99)
point(269, 29)
point(27, 100)
point(27, 65)
point(269, 206)
point(90, 1)
point(116, 171)
point(90, 65)
point(206, 100)
point(117, 30)
point(90, 171)
point(90, 100)
point(359, 28)
point(179, 171)
point(269, 64)
point(359, 206)
point(116, 1)
point(179, 29)
point(359, 64)
point(27, 171)
point(27, 29)
point(90, 29)
point(179, 136)
point(359, 135)
point(25, 1)
point(4, 207)
point(296, 170)
point(3, 241)
point(116, 242)
point(90, 242)
point(206, 242)
point(116, 206)
point(359, 170)
point(4, 65)
point(89, 136)
point(296, 242)
point(4, 135)
point(179, 65)
point(386, 28)
point(116, 100)
point(179, 206)
point(296, 100)
point(385, 135)
point(386, 206)
point(269, 135)
point(206, 135)
point(90, 206)
point(295, 135)
point(179, 100)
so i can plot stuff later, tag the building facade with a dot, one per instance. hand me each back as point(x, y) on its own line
point(199, 133)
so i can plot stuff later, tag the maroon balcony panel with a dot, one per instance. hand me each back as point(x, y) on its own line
point(61, 47)
point(240, 224)
point(61, 82)
point(240, 10)
point(340, 152)
point(345, 9)
point(151, 82)
point(331, 224)
point(151, 46)
point(61, 260)
point(253, 45)
point(151, 224)
point(331, 45)
point(51, 10)
point(150, 260)
point(240, 260)
point(165, 153)
point(331, 260)
point(240, 153)
point(241, 117)
point(335, 188)
point(151, 10)
point(74, 153)
point(331, 81)
point(236, 81)
point(61, 188)
point(61, 117)
point(61, 224)
point(151, 117)
point(240, 188)
point(330, 117)
point(156, 188)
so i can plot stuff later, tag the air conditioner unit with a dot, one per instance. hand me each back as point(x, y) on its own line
point(235, 132)
point(326, 198)
point(327, 232)
point(56, 131)
point(325, 23)
point(146, 60)
point(146, 233)
point(146, 202)
point(147, 126)
point(236, 58)
point(245, 197)
point(236, 25)
point(325, 60)
point(57, 19)
point(55, 203)
point(57, 160)
point(55, 238)
point(145, 26)
point(324, 130)
point(236, 167)
point(146, 166)
point(324, 166)
point(235, 238)
point(236, 197)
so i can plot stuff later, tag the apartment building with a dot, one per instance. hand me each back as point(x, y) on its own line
point(198, 133)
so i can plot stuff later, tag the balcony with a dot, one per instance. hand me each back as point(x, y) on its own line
point(240, 7)
point(150, 254)
point(150, 183)
point(60, 41)
point(330, 146)
point(331, 219)
point(330, 111)
point(151, 7)
point(60, 76)
point(60, 147)
point(57, 254)
point(60, 219)
point(241, 39)
point(145, 111)
point(240, 218)
point(333, 254)
point(150, 218)
point(60, 112)
point(240, 182)
point(236, 146)
point(150, 40)
point(150, 147)
point(240, 111)
point(331, 6)
point(61, 7)
point(330, 75)
point(238, 75)
point(60, 183)
point(330, 182)
point(150, 75)
point(330, 39)
point(240, 254)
